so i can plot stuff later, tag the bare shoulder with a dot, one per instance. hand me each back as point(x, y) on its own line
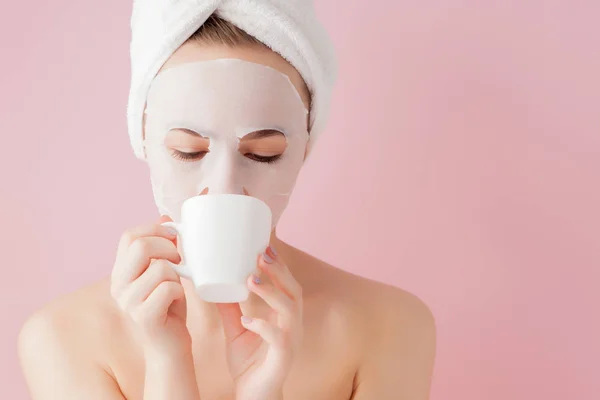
point(392, 329)
point(86, 309)
point(64, 346)
point(374, 303)
point(74, 325)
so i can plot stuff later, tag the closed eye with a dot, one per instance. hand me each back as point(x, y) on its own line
point(188, 156)
point(264, 146)
point(263, 159)
point(187, 145)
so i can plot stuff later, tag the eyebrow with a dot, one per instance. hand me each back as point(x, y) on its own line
point(260, 134)
point(189, 132)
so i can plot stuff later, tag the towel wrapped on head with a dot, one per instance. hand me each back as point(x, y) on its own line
point(288, 27)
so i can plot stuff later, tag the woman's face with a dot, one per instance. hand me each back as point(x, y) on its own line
point(225, 120)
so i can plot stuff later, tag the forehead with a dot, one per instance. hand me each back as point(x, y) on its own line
point(225, 95)
point(196, 51)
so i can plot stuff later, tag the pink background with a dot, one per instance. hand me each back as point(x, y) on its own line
point(462, 163)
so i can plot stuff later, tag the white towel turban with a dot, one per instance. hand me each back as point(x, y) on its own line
point(289, 27)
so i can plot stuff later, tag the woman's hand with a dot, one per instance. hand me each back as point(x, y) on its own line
point(260, 352)
point(148, 289)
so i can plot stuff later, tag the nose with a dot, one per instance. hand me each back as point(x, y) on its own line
point(207, 189)
point(223, 177)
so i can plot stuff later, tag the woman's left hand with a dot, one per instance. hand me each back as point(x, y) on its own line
point(260, 352)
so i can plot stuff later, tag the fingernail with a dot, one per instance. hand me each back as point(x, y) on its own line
point(172, 231)
point(267, 258)
point(246, 320)
point(255, 279)
point(273, 250)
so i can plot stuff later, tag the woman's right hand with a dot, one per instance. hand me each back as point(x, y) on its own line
point(149, 291)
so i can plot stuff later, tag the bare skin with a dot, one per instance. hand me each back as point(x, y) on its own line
point(361, 339)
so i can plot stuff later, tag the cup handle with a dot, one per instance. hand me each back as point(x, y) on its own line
point(181, 269)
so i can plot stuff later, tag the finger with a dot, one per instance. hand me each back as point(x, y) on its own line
point(158, 271)
point(273, 317)
point(129, 236)
point(159, 301)
point(230, 315)
point(276, 299)
point(142, 251)
point(164, 218)
point(268, 332)
point(280, 275)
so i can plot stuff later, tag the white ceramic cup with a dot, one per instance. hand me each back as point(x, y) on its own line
point(220, 237)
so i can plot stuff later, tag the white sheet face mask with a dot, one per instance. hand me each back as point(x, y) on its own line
point(223, 100)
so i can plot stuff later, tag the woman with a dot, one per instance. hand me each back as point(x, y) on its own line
point(308, 330)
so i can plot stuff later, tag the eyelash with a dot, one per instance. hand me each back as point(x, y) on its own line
point(198, 155)
point(263, 159)
point(183, 156)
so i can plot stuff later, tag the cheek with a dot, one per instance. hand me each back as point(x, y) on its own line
point(274, 183)
point(170, 178)
point(171, 184)
point(276, 188)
